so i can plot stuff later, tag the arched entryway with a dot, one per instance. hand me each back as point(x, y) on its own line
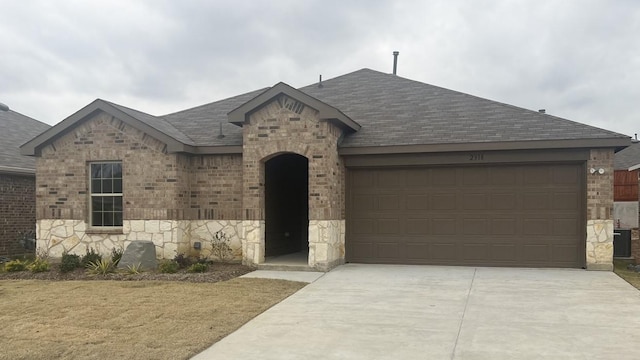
point(286, 205)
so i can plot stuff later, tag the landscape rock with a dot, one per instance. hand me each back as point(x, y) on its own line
point(139, 252)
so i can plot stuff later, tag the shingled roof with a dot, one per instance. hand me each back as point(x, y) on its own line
point(393, 112)
point(16, 129)
point(397, 111)
point(628, 157)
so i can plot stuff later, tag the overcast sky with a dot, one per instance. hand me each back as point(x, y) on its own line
point(579, 59)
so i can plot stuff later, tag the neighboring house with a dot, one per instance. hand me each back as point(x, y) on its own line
point(366, 167)
point(626, 206)
point(17, 182)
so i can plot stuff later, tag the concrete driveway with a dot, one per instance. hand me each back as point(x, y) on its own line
point(431, 312)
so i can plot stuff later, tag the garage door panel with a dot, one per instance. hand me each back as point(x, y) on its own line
point(387, 250)
point(388, 202)
point(536, 253)
point(443, 177)
point(443, 226)
point(535, 201)
point(474, 176)
point(565, 175)
point(474, 202)
point(504, 176)
point(504, 226)
point(444, 251)
point(417, 178)
point(474, 252)
point(443, 201)
point(475, 226)
point(536, 227)
point(536, 176)
point(388, 226)
point(515, 215)
point(417, 226)
point(417, 202)
point(504, 252)
point(569, 227)
point(565, 201)
point(391, 179)
point(363, 202)
point(417, 251)
point(362, 226)
point(503, 201)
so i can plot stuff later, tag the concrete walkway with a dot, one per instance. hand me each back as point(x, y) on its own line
point(431, 312)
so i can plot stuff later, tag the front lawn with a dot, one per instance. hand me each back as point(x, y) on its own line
point(632, 277)
point(43, 319)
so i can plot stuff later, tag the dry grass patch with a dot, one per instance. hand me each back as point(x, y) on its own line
point(127, 320)
point(630, 276)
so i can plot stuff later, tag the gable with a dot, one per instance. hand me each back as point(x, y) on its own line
point(147, 124)
point(294, 100)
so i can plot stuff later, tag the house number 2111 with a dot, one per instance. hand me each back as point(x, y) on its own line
point(476, 156)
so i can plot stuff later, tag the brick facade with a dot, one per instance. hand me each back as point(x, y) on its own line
point(17, 212)
point(599, 242)
point(153, 181)
point(275, 129)
point(176, 199)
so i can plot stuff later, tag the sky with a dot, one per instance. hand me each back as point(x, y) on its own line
point(578, 59)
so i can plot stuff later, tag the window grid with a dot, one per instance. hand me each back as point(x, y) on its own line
point(106, 194)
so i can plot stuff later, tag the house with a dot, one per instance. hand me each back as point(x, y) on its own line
point(367, 167)
point(626, 202)
point(17, 182)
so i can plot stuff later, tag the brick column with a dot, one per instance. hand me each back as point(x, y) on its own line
point(599, 242)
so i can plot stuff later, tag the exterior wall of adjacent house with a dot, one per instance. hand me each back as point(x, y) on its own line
point(17, 212)
point(599, 242)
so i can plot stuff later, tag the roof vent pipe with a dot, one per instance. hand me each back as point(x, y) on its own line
point(320, 82)
point(542, 111)
point(220, 135)
point(395, 61)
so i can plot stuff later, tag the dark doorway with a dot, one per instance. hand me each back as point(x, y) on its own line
point(286, 205)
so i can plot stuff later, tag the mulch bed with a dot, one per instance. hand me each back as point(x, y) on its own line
point(216, 272)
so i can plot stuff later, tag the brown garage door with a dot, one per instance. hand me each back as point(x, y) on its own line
point(528, 215)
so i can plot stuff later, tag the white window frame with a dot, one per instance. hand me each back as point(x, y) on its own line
point(92, 195)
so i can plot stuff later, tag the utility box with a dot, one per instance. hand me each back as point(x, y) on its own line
point(622, 243)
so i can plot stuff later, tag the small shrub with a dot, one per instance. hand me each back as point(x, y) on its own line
point(39, 265)
point(116, 255)
point(182, 261)
point(69, 262)
point(15, 265)
point(221, 247)
point(198, 268)
point(100, 267)
point(168, 267)
point(134, 269)
point(90, 257)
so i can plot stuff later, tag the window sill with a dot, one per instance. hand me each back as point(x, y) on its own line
point(116, 231)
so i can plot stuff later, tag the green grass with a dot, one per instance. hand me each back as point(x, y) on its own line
point(630, 276)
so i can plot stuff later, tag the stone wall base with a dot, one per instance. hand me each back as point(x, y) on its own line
point(599, 249)
point(246, 238)
point(170, 237)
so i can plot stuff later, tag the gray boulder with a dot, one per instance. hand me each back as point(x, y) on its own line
point(139, 252)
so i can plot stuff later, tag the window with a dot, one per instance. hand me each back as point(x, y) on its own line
point(106, 194)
